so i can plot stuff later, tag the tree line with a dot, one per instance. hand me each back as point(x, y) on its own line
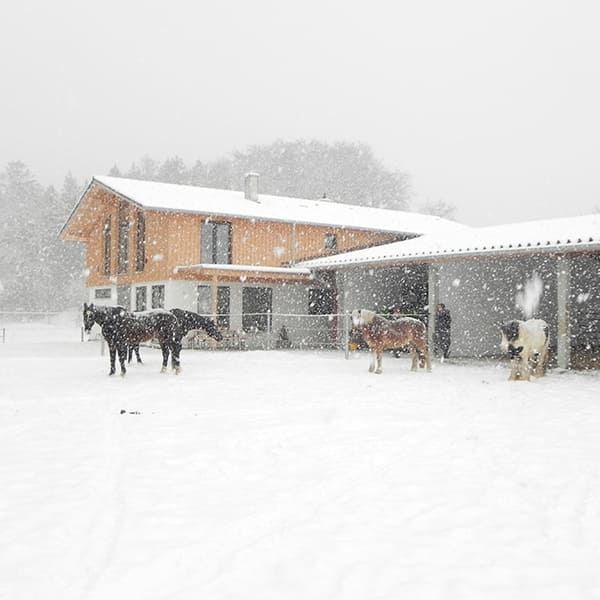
point(39, 272)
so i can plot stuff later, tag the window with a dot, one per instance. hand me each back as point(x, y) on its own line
point(107, 241)
point(123, 239)
point(103, 293)
point(140, 242)
point(204, 300)
point(321, 301)
point(216, 243)
point(223, 303)
point(158, 296)
point(330, 241)
point(141, 298)
point(257, 306)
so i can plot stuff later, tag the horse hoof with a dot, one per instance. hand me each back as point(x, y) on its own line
point(163, 370)
point(378, 372)
point(177, 370)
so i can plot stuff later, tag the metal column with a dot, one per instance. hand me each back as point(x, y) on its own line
point(433, 296)
point(563, 288)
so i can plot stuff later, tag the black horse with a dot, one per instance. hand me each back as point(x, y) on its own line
point(113, 322)
point(159, 324)
point(187, 321)
point(123, 331)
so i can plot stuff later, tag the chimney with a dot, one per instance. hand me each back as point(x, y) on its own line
point(251, 187)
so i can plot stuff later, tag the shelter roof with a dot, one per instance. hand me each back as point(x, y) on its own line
point(562, 235)
point(152, 195)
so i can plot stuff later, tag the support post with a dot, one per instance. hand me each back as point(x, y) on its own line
point(563, 288)
point(433, 297)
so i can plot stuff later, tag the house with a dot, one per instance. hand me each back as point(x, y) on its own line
point(548, 269)
point(231, 254)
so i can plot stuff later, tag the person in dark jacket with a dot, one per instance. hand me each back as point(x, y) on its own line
point(443, 321)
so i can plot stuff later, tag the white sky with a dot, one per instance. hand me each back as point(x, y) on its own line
point(492, 107)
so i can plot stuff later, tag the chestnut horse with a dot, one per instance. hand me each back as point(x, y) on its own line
point(381, 334)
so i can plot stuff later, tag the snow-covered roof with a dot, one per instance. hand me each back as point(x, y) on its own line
point(551, 235)
point(152, 195)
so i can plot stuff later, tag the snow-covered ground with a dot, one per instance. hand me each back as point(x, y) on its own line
point(291, 475)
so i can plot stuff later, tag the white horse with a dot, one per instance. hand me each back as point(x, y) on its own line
point(526, 342)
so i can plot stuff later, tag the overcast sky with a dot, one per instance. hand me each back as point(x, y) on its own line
point(493, 107)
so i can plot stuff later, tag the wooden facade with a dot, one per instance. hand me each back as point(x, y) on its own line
point(127, 245)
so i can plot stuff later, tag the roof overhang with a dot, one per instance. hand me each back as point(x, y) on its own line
point(247, 272)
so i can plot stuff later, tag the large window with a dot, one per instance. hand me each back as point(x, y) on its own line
point(107, 241)
point(140, 242)
point(216, 242)
point(321, 301)
point(141, 302)
point(204, 300)
point(223, 306)
point(123, 239)
point(158, 296)
point(257, 306)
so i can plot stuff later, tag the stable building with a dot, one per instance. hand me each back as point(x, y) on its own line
point(548, 269)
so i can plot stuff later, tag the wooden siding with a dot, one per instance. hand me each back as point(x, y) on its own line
point(173, 240)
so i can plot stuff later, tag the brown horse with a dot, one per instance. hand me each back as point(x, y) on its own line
point(381, 334)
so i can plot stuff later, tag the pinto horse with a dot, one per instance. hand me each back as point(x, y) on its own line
point(187, 321)
point(113, 322)
point(381, 334)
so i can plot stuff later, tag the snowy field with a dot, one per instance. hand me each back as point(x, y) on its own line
point(284, 475)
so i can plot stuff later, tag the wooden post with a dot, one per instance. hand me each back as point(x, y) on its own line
point(563, 287)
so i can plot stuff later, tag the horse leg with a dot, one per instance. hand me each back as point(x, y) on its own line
point(137, 353)
point(112, 350)
point(427, 360)
point(515, 369)
point(372, 364)
point(415, 358)
point(165, 354)
point(379, 360)
point(175, 351)
point(122, 348)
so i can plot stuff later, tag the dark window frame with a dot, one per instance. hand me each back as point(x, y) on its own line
point(140, 242)
point(158, 296)
point(107, 241)
point(257, 308)
point(223, 306)
point(141, 298)
point(212, 242)
point(123, 256)
point(103, 293)
point(330, 241)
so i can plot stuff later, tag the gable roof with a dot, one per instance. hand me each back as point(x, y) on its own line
point(533, 237)
point(150, 195)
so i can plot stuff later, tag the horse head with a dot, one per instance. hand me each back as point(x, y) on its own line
point(362, 317)
point(211, 328)
point(89, 316)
